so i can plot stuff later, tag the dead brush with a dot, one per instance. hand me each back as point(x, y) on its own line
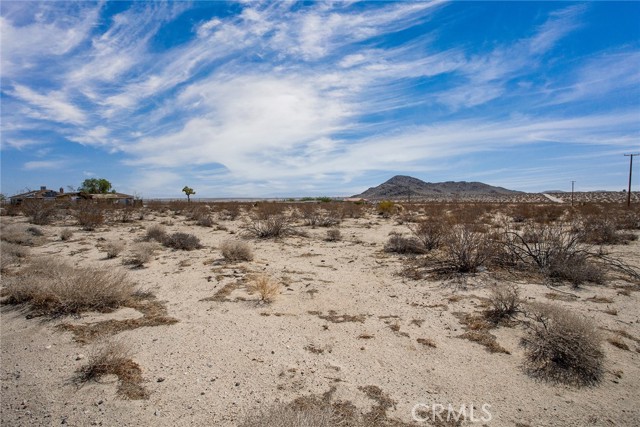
point(467, 249)
point(603, 230)
point(272, 227)
point(113, 248)
point(21, 235)
point(504, 302)
point(89, 214)
point(266, 287)
point(182, 241)
point(11, 255)
point(236, 250)
point(41, 212)
point(562, 347)
point(430, 233)
point(400, 244)
point(114, 358)
point(157, 233)
point(140, 254)
point(50, 287)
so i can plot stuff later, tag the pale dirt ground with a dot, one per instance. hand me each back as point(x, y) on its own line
point(225, 359)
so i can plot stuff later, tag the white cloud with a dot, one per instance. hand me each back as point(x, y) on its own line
point(46, 164)
point(53, 106)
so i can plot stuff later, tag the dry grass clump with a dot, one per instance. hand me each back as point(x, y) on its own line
point(236, 250)
point(157, 233)
point(41, 212)
point(562, 347)
point(271, 227)
point(113, 248)
point(114, 358)
point(400, 244)
point(11, 254)
point(504, 302)
point(266, 287)
point(333, 235)
point(182, 241)
point(140, 254)
point(53, 288)
point(66, 234)
point(22, 235)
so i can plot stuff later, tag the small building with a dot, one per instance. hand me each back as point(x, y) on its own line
point(42, 194)
point(115, 198)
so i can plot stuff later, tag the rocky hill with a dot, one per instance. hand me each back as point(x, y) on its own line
point(405, 186)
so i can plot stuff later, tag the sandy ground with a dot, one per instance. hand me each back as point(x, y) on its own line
point(225, 359)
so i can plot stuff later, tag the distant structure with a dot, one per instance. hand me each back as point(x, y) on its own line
point(51, 195)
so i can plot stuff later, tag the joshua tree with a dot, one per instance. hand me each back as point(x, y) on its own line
point(188, 191)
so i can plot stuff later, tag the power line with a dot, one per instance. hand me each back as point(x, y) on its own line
point(630, 172)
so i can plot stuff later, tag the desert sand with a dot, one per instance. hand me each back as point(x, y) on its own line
point(344, 319)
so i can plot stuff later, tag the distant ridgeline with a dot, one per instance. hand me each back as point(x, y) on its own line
point(406, 187)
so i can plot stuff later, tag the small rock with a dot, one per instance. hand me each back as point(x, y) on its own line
point(161, 379)
point(80, 356)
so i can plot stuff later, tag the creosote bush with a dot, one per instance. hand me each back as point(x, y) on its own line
point(272, 227)
point(236, 250)
point(51, 287)
point(562, 347)
point(467, 249)
point(429, 232)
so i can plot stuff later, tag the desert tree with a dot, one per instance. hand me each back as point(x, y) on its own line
point(189, 192)
point(96, 186)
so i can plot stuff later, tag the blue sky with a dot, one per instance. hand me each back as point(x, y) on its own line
point(263, 99)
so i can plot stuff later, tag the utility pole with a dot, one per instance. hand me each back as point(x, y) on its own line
point(630, 171)
point(572, 182)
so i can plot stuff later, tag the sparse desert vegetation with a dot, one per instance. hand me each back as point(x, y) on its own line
point(296, 323)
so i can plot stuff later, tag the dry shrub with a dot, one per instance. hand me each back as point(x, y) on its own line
point(41, 212)
point(236, 250)
point(11, 254)
point(333, 235)
point(429, 232)
point(114, 358)
point(386, 208)
point(562, 347)
point(22, 235)
point(504, 302)
point(113, 248)
point(140, 254)
point(466, 249)
point(89, 214)
point(182, 241)
point(352, 209)
point(554, 250)
point(400, 244)
point(319, 217)
point(602, 230)
point(66, 234)
point(266, 210)
point(272, 227)
point(266, 287)
point(157, 233)
point(51, 287)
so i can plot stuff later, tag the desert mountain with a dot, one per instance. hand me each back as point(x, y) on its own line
point(402, 186)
